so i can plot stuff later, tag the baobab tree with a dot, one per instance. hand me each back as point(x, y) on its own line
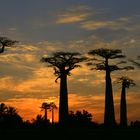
point(103, 64)
point(45, 106)
point(6, 42)
point(126, 83)
point(63, 63)
point(52, 107)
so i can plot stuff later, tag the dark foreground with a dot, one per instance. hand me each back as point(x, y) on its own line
point(70, 133)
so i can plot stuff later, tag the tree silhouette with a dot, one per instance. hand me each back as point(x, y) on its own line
point(39, 122)
point(45, 106)
point(63, 63)
point(3, 109)
point(6, 42)
point(80, 118)
point(52, 107)
point(126, 83)
point(9, 117)
point(103, 64)
point(11, 110)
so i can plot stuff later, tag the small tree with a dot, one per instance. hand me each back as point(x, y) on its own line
point(63, 63)
point(103, 64)
point(45, 106)
point(126, 83)
point(6, 42)
point(52, 107)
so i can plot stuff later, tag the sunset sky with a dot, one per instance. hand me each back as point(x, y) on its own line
point(46, 26)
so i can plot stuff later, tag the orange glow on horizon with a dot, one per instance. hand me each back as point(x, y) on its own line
point(29, 108)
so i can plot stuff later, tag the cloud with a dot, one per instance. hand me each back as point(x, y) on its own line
point(12, 29)
point(43, 81)
point(71, 18)
point(111, 24)
point(105, 27)
point(74, 14)
point(51, 46)
point(19, 62)
point(38, 85)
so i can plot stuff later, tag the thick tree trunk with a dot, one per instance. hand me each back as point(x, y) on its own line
point(2, 49)
point(52, 115)
point(46, 117)
point(109, 115)
point(63, 102)
point(123, 110)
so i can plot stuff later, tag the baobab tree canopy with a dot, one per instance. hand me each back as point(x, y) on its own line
point(107, 54)
point(126, 81)
point(6, 42)
point(45, 106)
point(63, 62)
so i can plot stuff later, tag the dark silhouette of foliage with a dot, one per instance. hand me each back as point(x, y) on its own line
point(39, 118)
point(135, 124)
point(126, 83)
point(80, 124)
point(40, 122)
point(48, 106)
point(63, 63)
point(3, 109)
point(80, 118)
point(9, 117)
point(52, 107)
point(6, 42)
point(103, 64)
point(45, 106)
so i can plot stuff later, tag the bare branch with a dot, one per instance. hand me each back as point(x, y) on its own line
point(121, 62)
point(127, 68)
point(135, 62)
point(107, 53)
point(126, 81)
point(63, 62)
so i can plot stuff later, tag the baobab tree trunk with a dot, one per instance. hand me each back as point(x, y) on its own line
point(109, 115)
point(2, 49)
point(123, 110)
point(63, 101)
point(52, 115)
point(46, 116)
